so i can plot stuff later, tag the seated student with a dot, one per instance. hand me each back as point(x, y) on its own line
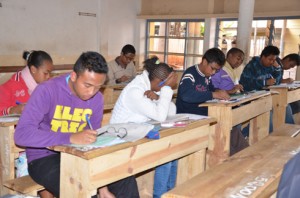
point(17, 90)
point(196, 87)
point(53, 116)
point(122, 69)
point(288, 62)
point(261, 72)
point(227, 77)
point(148, 96)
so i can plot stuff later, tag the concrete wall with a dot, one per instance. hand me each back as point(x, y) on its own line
point(56, 27)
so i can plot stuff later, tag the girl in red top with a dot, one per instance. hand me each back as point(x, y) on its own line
point(17, 90)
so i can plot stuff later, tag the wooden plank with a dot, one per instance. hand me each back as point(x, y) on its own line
point(24, 185)
point(9, 69)
point(194, 164)
point(118, 162)
point(219, 146)
point(279, 103)
point(145, 181)
point(7, 156)
point(293, 95)
point(254, 96)
point(259, 127)
point(97, 152)
point(254, 109)
point(245, 174)
point(290, 130)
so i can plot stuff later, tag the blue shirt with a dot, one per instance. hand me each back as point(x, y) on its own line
point(194, 89)
point(255, 75)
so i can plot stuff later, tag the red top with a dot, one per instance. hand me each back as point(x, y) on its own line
point(12, 91)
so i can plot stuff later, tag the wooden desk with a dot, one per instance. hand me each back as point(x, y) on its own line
point(255, 108)
point(253, 172)
point(83, 172)
point(111, 93)
point(8, 153)
point(280, 102)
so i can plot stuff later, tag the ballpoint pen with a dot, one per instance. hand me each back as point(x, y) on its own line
point(88, 121)
point(164, 81)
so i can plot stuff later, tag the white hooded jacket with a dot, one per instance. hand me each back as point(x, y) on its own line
point(133, 106)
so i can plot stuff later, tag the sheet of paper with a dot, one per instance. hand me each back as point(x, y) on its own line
point(10, 118)
point(135, 131)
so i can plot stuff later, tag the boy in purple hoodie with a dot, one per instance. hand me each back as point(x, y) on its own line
point(55, 115)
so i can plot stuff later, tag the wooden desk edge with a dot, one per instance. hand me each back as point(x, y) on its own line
point(101, 151)
point(6, 124)
point(207, 104)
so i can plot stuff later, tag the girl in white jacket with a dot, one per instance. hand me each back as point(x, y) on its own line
point(149, 97)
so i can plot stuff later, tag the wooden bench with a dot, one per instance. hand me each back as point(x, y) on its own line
point(253, 172)
point(24, 185)
point(8, 153)
point(290, 130)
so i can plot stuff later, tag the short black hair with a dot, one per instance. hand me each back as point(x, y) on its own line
point(270, 50)
point(128, 49)
point(214, 55)
point(36, 58)
point(234, 50)
point(293, 57)
point(91, 61)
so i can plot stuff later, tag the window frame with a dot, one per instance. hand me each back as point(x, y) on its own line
point(167, 38)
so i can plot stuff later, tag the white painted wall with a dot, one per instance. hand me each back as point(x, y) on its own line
point(119, 26)
point(56, 27)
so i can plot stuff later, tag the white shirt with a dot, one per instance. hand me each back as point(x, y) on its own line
point(133, 106)
point(115, 71)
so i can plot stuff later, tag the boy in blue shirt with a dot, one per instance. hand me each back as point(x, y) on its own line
point(196, 87)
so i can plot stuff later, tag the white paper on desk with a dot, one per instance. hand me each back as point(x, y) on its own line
point(179, 117)
point(286, 85)
point(10, 118)
point(135, 131)
point(194, 116)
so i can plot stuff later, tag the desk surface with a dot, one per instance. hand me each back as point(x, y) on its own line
point(238, 102)
point(102, 151)
point(83, 172)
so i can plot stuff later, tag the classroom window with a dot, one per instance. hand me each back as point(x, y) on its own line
point(179, 43)
point(282, 32)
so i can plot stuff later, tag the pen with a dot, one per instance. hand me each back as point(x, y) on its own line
point(164, 81)
point(88, 121)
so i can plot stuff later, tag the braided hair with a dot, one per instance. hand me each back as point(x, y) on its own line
point(156, 69)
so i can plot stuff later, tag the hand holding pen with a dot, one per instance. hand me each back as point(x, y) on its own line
point(18, 109)
point(271, 80)
point(87, 136)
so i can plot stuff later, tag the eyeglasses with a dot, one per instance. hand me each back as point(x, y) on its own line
point(121, 132)
point(214, 69)
point(128, 57)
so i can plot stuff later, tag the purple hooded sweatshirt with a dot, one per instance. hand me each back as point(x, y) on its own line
point(52, 114)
